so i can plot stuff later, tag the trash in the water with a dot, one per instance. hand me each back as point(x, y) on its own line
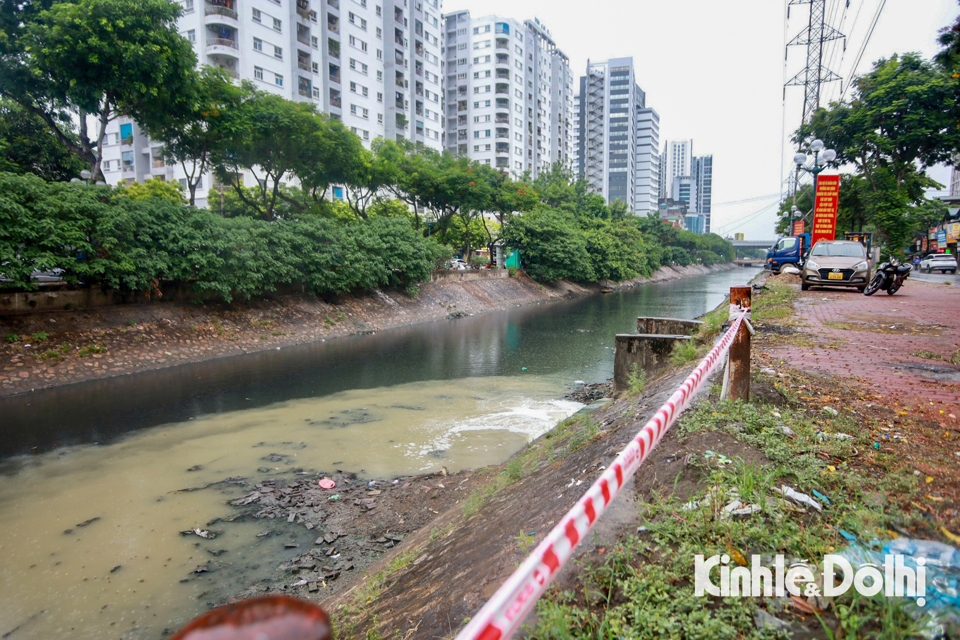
point(201, 533)
point(327, 483)
point(523, 368)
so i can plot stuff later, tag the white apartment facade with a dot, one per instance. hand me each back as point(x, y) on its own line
point(677, 162)
point(618, 136)
point(509, 94)
point(373, 64)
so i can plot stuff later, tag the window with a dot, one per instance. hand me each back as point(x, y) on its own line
point(192, 35)
point(257, 16)
point(258, 73)
point(187, 6)
point(277, 25)
point(379, 96)
point(126, 131)
point(277, 52)
point(380, 33)
point(257, 44)
point(278, 79)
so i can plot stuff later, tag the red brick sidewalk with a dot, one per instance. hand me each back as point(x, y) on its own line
point(874, 339)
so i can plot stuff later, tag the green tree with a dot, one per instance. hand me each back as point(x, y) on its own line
point(193, 139)
point(153, 188)
point(270, 137)
point(552, 244)
point(28, 146)
point(98, 59)
point(901, 120)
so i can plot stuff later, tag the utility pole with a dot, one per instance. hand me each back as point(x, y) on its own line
point(815, 74)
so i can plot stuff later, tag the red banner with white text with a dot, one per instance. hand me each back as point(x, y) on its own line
point(825, 208)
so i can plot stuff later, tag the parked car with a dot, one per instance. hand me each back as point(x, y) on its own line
point(941, 262)
point(457, 265)
point(836, 263)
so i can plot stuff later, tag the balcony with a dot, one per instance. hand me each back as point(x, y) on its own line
point(303, 65)
point(334, 3)
point(503, 43)
point(503, 58)
point(223, 46)
point(335, 101)
point(503, 134)
point(333, 24)
point(503, 89)
point(503, 74)
point(503, 118)
point(221, 15)
point(503, 147)
point(334, 73)
point(503, 103)
point(303, 9)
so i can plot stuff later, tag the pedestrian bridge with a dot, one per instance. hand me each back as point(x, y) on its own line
point(752, 244)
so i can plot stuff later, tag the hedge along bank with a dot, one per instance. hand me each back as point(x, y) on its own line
point(97, 236)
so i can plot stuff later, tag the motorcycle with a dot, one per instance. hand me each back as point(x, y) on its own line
point(889, 277)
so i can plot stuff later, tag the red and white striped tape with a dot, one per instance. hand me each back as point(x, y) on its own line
point(504, 612)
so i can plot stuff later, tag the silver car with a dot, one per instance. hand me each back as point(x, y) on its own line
point(836, 263)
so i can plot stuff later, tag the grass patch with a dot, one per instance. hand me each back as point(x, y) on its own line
point(218, 326)
point(927, 355)
point(684, 352)
point(12, 337)
point(644, 588)
point(713, 323)
point(40, 336)
point(366, 594)
point(775, 303)
point(50, 354)
point(954, 359)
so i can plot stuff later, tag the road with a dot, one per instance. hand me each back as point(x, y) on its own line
point(935, 278)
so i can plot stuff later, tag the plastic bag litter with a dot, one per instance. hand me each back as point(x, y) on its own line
point(940, 614)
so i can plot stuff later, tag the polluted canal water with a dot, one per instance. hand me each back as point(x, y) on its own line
point(90, 530)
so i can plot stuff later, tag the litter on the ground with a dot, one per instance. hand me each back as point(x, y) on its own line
point(327, 483)
point(939, 613)
point(822, 498)
point(796, 496)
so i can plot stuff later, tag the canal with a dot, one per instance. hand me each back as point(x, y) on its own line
point(92, 481)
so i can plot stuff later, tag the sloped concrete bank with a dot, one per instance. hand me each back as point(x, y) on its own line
point(53, 348)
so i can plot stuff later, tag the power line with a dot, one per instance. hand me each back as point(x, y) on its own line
point(736, 224)
point(772, 195)
point(853, 71)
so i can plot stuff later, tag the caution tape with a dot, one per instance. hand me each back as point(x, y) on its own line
point(504, 612)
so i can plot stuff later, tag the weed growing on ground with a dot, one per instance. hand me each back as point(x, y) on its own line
point(584, 435)
point(413, 290)
point(684, 352)
point(927, 355)
point(955, 359)
point(132, 322)
point(713, 323)
point(525, 542)
point(50, 354)
point(637, 380)
point(515, 468)
point(91, 349)
point(40, 336)
point(218, 326)
point(12, 337)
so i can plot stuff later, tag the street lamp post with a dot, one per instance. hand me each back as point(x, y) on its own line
point(822, 159)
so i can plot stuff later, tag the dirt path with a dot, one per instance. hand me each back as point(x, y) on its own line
point(57, 348)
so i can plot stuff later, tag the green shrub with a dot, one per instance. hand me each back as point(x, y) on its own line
point(40, 336)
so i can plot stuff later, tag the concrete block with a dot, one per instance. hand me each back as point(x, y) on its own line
point(671, 326)
point(646, 352)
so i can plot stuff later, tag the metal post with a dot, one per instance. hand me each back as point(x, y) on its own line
point(739, 365)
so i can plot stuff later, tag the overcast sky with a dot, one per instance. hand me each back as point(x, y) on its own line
point(714, 72)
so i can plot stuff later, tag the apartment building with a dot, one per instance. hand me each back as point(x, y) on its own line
point(677, 161)
point(618, 136)
point(702, 173)
point(508, 94)
point(373, 64)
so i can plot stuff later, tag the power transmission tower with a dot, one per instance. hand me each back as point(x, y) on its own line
point(815, 74)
